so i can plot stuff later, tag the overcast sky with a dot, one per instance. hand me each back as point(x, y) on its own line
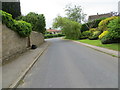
point(52, 8)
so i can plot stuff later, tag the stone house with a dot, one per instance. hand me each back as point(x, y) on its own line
point(93, 17)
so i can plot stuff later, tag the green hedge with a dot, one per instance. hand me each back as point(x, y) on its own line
point(53, 35)
point(21, 27)
point(113, 35)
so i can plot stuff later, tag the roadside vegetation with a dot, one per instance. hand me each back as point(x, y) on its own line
point(24, 25)
point(53, 35)
point(104, 32)
point(113, 46)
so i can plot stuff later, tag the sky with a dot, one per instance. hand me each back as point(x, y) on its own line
point(52, 8)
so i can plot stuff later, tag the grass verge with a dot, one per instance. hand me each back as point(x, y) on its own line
point(114, 46)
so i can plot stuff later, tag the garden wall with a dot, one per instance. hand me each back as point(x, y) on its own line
point(36, 38)
point(13, 44)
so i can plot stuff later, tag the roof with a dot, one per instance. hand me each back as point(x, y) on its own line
point(93, 17)
point(52, 30)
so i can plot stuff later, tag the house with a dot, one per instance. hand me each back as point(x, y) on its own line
point(93, 17)
point(52, 31)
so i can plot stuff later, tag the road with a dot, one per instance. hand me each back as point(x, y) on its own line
point(66, 64)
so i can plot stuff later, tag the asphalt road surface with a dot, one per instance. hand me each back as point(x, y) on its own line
point(66, 64)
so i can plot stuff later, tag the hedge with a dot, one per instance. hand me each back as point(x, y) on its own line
point(113, 35)
point(53, 35)
point(21, 27)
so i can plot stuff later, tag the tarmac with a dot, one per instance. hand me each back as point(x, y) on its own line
point(14, 72)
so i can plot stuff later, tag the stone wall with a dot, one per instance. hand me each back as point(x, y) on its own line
point(36, 38)
point(13, 44)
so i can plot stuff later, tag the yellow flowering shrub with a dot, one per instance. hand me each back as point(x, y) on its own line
point(103, 34)
point(106, 21)
point(93, 29)
point(103, 24)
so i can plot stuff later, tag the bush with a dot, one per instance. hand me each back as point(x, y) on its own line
point(7, 19)
point(103, 24)
point(84, 27)
point(95, 35)
point(37, 21)
point(85, 34)
point(114, 32)
point(23, 28)
point(103, 34)
point(92, 24)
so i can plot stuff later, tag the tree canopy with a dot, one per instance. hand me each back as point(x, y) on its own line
point(70, 28)
point(75, 13)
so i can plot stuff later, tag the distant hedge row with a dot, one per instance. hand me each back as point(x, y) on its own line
point(53, 35)
point(21, 27)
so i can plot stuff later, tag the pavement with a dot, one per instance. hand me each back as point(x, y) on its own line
point(13, 72)
point(104, 50)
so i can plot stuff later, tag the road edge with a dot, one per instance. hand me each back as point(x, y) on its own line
point(16, 83)
point(96, 48)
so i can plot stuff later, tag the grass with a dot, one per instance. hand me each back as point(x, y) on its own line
point(114, 46)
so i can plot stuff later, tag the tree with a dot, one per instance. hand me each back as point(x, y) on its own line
point(37, 21)
point(70, 28)
point(75, 13)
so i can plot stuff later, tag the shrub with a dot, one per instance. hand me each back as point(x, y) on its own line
point(84, 27)
point(95, 35)
point(91, 24)
point(103, 24)
point(37, 21)
point(93, 29)
point(103, 34)
point(23, 28)
point(114, 32)
point(85, 34)
point(7, 19)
